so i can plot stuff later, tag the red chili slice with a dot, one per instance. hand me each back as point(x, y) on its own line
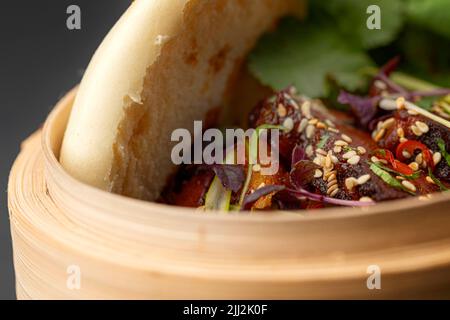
point(412, 145)
point(385, 154)
point(396, 165)
point(403, 168)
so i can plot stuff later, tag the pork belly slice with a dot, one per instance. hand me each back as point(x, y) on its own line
point(330, 140)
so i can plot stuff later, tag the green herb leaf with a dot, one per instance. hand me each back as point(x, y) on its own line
point(431, 14)
point(305, 55)
point(217, 197)
point(413, 176)
point(323, 141)
point(253, 155)
point(445, 154)
point(437, 181)
point(351, 19)
point(387, 178)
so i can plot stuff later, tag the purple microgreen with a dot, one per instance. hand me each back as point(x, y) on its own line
point(303, 173)
point(250, 199)
point(392, 85)
point(299, 193)
point(231, 176)
point(364, 108)
point(298, 154)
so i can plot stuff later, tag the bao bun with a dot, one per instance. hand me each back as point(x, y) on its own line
point(164, 64)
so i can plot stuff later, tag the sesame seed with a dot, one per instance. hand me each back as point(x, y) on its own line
point(313, 121)
point(365, 199)
point(288, 123)
point(380, 85)
point(379, 125)
point(334, 159)
point(388, 123)
point(400, 132)
point(387, 105)
point(414, 166)
point(332, 188)
point(363, 179)
point(302, 125)
point(408, 185)
point(282, 112)
point(413, 112)
point(333, 130)
point(374, 159)
point(340, 143)
point(354, 160)
point(379, 134)
point(310, 129)
point(256, 168)
point(331, 177)
point(321, 151)
point(329, 123)
point(318, 173)
point(419, 159)
point(306, 109)
point(321, 125)
point(406, 154)
point(331, 183)
point(328, 173)
point(422, 126)
point(403, 139)
point(400, 178)
point(350, 183)
point(346, 138)
point(349, 154)
point(332, 194)
point(437, 158)
point(294, 104)
point(337, 149)
point(400, 103)
point(429, 180)
point(328, 162)
point(309, 151)
point(318, 160)
point(361, 150)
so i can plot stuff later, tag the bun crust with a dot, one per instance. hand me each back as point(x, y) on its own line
point(164, 64)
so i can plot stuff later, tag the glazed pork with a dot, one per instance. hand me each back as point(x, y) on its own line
point(326, 158)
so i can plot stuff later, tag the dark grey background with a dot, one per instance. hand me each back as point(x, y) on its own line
point(40, 60)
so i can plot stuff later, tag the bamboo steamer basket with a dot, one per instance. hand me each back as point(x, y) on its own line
point(130, 249)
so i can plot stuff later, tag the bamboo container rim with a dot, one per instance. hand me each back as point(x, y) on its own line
point(55, 171)
point(57, 220)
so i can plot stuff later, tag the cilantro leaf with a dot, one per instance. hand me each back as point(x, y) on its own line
point(387, 178)
point(351, 18)
point(305, 55)
point(437, 181)
point(445, 154)
point(431, 14)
